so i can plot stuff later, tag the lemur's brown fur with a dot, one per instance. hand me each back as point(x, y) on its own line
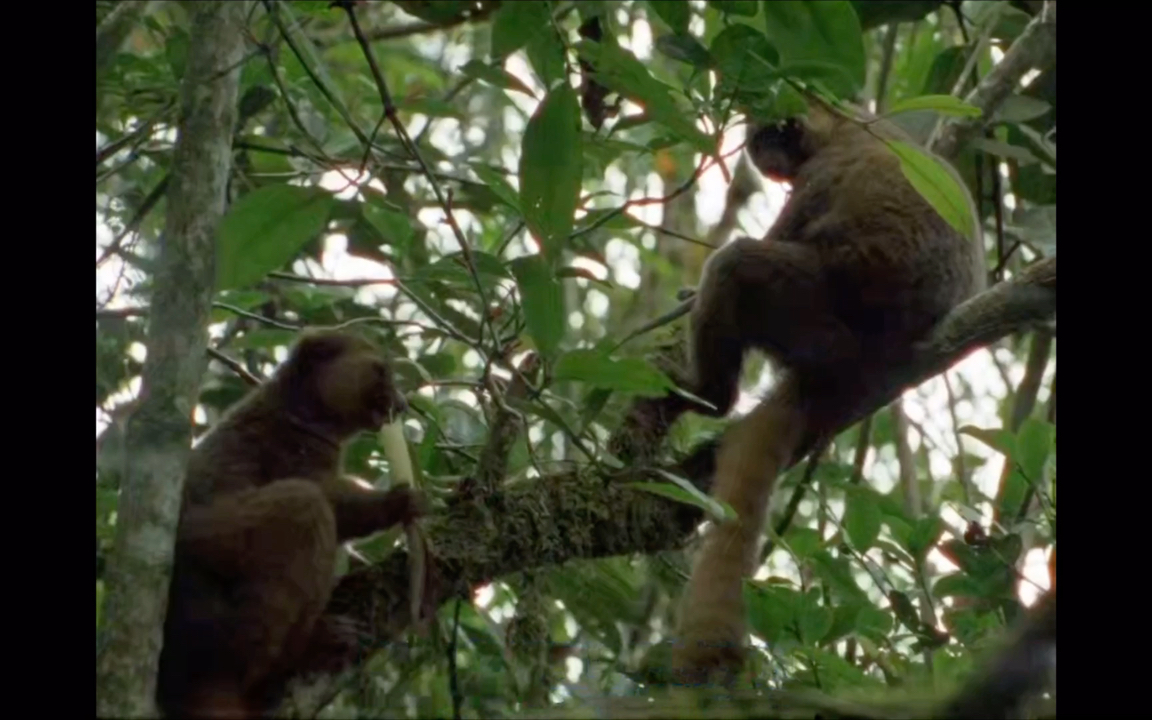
point(856, 269)
point(265, 507)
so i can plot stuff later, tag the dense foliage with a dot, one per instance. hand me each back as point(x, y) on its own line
point(467, 182)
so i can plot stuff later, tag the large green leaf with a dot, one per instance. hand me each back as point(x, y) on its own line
point(675, 13)
point(862, 518)
point(550, 166)
point(515, 23)
point(619, 70)
point(631, 375)
point(745, 59)
point(266, 229)
point(547, 54)
point(825, 32)
point(771, 610)
point(924, 536)
point(542, 301)
point(943, 104)
point(813, 619)
point(1033, 445)
point(682, 491)
point(938, 186)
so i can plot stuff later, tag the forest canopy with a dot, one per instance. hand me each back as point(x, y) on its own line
point(512, 200)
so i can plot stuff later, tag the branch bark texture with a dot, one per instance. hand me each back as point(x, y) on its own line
point(159, 433)
point(592, 514)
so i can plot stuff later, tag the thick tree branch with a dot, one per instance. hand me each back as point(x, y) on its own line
point(581, 515)
point(1035, 49)
point(159, 432)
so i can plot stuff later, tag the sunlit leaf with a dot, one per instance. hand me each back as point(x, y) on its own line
point(631, 375)
point(265, 229)
point(542, 302)
point(939, 187)
point(550, 169)
point(943, 104)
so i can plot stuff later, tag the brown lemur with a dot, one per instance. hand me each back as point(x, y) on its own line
point(857, 268)
point(265, 507)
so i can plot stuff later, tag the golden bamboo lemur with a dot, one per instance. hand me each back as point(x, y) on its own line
point(856, 269)
point(266, 504)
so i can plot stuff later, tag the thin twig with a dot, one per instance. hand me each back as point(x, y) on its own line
point(354, 283)
point(234, 366)
point(406, 141)
point(271, 322)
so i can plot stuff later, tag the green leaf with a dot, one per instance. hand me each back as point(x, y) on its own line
point(687, 496)
point(924, 536)
point(945, 71)
point(619, 70)
point(1012, 493)
point(547, 55)
point(943, 104)
point(550, 168)
point(998, 439)
point(771, 610)
point(542, 301)
point(904, 610)
point(265, 229)
point(1005, 150)
point(844, 616)
point(1036, 225)
point(496, 76)
point(814, 620)
point(498, 185)
point(804, 542)
point(395, 227)
point(874, 13)
point(862, 518)
point(515, 23)
point(263, 338)
point(836, 572)
point(630, 375)
point(744, 8)
point(957, 585)
point(834, 672)
point(745, 59)
point(433, 107)
point(675, 13)
point(685, 48)
point(826, 32)
point(1033, 445)
point(1020, 108)
point(718, 509)
point(937, 184)
point(873, 622)
point(593, 403)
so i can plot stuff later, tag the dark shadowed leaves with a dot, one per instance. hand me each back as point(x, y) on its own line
point(824, 32)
